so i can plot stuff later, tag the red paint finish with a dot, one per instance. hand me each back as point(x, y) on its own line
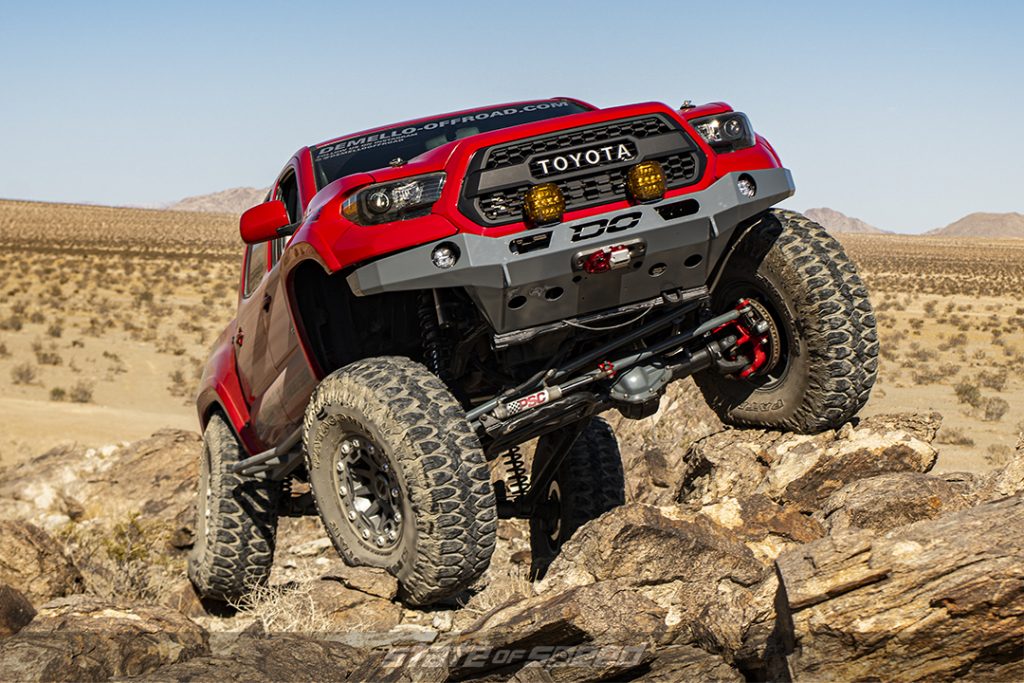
point(219, 389)
point(261, 222)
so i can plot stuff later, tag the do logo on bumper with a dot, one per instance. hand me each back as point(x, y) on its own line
point(596, 228)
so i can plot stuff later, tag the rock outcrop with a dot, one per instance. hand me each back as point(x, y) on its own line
point(34, 563)
point(15, 610)
point(935, 600)
point(86, 639)
point(741, 554)
point(805, 470)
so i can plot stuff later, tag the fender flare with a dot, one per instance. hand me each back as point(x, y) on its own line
point(220, 390)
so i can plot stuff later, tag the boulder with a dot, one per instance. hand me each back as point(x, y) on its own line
point(86, 639)
point(688, 663)
point(765, 526)
point(1007, 481)
point(35, 563)
point(804, 469)
point(350, 610)
point(653, 448)
point(921, 426)
point(729, 463)
point(155, 477)
point(646, 545)
point(586, 663)
point(892, 500)
point(369, 580)
point(935, 600)
point(182, 596)
point(15, 610)
point(283, 657)
point(704, 571)
point(807, 476)
point(560, 619)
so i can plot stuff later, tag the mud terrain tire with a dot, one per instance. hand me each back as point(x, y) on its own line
point(589, 483)
point(389, 450)
point(801, 274)
point(236, 521)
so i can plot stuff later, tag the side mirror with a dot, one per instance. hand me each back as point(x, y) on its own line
point(261, 222)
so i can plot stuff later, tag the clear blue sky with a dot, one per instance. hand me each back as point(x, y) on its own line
point(905, 114)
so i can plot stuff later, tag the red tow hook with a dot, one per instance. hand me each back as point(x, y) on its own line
point(747, 342)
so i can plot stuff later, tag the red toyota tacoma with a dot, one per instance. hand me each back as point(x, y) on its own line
point(421, 300)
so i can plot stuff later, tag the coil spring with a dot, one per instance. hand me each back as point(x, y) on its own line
point(518, 481)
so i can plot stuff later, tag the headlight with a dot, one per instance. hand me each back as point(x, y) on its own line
point(397, 201)
point(725, 132)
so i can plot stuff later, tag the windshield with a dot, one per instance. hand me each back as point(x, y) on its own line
point(377, 150)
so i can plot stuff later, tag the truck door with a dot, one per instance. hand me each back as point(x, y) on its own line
point(283, 340)
point(255, 365)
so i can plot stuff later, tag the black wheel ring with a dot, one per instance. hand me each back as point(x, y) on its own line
point(370, 494)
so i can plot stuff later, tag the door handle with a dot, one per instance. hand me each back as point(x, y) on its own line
point(266, 302)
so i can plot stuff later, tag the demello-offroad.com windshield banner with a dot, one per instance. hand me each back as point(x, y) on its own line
point(495, 118)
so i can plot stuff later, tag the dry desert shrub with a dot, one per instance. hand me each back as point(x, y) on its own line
point(954, 437)
point(24, 373)
point(995, 409)
point(81, 392)
point(968, 393)
point(291, 607)
point(998, 454)
point(4, 353)
point(994, 379)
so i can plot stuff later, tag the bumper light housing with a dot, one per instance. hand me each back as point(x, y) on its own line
point(445, 255)
point(646, 181)
point(746, 186)
point(544, 204)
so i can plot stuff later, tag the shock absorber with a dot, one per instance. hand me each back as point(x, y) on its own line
point(518, 480)
point(435, 348)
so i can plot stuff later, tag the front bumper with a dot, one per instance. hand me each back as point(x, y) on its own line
point(542, 284)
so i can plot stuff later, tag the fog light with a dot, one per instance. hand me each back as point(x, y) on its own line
point(646, 181)
point(544, 204)
point(746, 186)
point(445, 255)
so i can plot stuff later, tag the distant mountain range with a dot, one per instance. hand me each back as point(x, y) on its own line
point(993, 225)
point(983, 225)
point(236, 200)
point(834, 221)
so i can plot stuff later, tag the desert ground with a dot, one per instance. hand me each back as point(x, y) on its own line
point(107, 315)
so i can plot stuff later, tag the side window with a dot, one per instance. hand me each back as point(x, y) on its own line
point(287, 191)
point(255, 267)
point(276, 249)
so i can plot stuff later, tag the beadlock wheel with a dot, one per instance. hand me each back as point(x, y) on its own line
point(369, 492)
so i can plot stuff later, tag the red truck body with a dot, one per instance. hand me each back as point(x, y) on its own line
point(262, 371)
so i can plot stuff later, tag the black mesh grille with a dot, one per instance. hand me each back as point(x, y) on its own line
point(502, 205)
point(502, 157)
